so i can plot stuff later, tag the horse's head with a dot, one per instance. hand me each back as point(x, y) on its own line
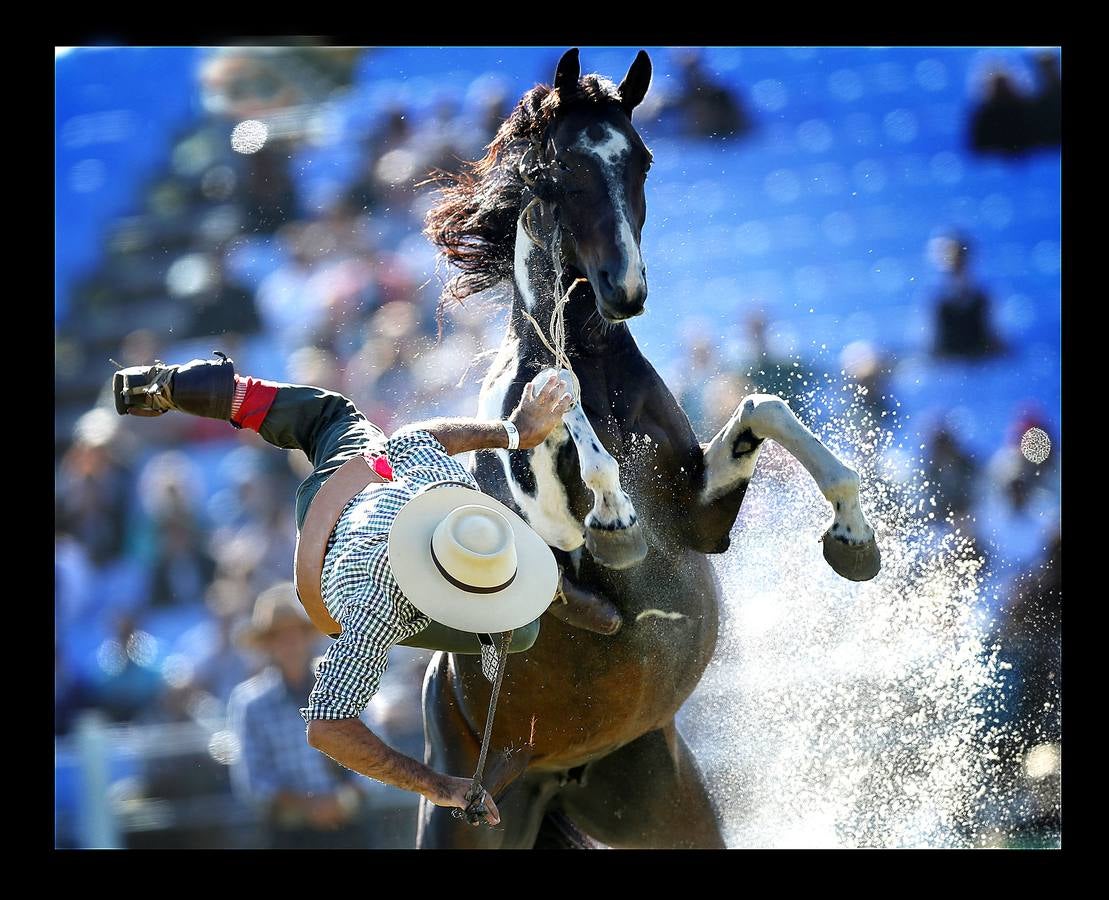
point(593, 166)
point(571, 145)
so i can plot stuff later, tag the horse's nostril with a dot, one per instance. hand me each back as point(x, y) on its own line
point(607, 282)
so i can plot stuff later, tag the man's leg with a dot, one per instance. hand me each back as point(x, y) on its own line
point(325, 425)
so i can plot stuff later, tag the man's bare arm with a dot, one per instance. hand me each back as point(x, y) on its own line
point(534, 418)
point(462, 434)
point(350, 743)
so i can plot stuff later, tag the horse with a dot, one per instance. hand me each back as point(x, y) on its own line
point(631, 504)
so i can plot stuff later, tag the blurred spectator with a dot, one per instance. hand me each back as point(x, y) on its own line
point(129, 681)
point(951, 473)
point(307, 800)
point(74, 575)
point(1012, 122)
point(394, 132)
point(72, 693)
point(1047, 104)
point(1001, 123)
point(269, 195)
point(494, 108)
point(709, 108)
point(963, 326)
point(217, 304)
point(767, 371)
point(1034, 435)
point(219, 663)
point(698, 365)
point(869, 369)
point(182, 568)
point(442, 142)
point(1016, 518)
point(379, 377)
point(93, 487)
point(246, 82)
point(290, 313)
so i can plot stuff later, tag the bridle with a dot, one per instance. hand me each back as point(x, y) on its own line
point(539, 176)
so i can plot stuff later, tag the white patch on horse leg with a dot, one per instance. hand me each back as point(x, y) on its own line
point(612, 508)
point(548, 511)
point(772, 418)
point(611, 151)
point(764, 416)
point(730, 457)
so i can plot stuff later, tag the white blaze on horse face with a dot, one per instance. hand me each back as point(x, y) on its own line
point(548, 512)
point(611, 151)
point(731, 456)
point(612, 508)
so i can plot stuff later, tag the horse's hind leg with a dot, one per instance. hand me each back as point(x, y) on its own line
point(451, 748)
point(648, 794)
point(730, 457)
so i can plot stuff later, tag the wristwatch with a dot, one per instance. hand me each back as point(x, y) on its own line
point(513, 435)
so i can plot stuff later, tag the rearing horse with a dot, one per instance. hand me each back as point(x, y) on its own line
point(623, 492)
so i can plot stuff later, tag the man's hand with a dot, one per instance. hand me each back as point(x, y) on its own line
point(452, 794)
point(539, 413)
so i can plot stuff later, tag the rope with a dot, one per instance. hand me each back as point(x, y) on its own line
point(556, 344)
point(475, 809)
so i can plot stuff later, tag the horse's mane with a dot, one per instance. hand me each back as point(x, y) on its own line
point(473, 222)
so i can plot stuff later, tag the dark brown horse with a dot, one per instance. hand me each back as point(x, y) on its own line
point(628, 499)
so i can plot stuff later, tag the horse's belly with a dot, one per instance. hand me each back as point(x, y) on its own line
point(589, 694)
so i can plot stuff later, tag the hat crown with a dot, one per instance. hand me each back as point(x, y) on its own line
point(475, 546)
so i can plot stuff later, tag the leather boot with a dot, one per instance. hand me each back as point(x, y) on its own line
point(202, 387)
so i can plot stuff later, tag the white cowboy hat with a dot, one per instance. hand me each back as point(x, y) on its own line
point(469, 562)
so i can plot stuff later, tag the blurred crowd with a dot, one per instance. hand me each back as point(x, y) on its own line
point(178, 528)
point(1013, 121)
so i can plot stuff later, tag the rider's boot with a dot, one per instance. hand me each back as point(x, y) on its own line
point(203, 387)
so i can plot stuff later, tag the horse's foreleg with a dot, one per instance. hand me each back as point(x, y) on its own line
point(613, 534)
point(730, 457)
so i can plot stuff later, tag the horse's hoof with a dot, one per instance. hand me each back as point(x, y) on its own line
point(854, 560)
point(616, 548)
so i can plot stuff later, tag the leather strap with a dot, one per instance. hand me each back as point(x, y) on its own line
point(323, 513)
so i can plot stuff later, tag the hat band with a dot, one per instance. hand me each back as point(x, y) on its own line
point(473, 589)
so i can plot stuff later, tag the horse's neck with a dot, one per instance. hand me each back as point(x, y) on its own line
point(538, 285)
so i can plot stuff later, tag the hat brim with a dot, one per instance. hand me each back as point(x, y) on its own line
point(254, 637)
point(523, 601)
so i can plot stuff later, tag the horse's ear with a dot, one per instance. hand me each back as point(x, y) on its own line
point(634, 86)
point(566, 75)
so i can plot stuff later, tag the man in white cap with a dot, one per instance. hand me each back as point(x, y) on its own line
point(424, 550)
